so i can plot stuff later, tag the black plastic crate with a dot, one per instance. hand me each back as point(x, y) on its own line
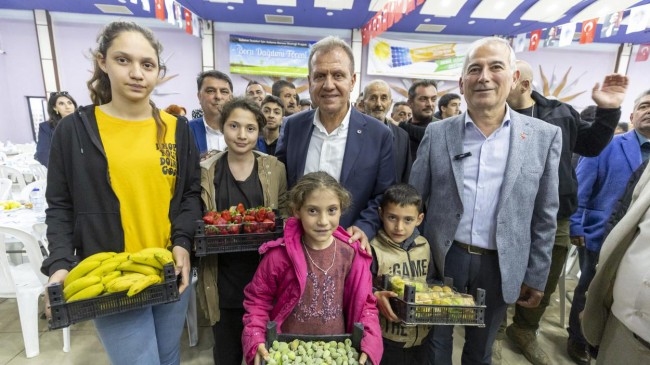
point(215, 244)
point(412, 314)
point(272, 335)
point(64, 314)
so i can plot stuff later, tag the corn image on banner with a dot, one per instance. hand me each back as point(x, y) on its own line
point(268, 57)
point(412, 59)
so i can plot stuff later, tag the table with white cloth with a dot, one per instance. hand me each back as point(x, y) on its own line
point(24, 220)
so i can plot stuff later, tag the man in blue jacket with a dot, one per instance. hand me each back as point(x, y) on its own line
point(601, 182)
point(215, 90)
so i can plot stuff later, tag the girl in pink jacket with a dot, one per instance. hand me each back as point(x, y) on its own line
point(312, 281)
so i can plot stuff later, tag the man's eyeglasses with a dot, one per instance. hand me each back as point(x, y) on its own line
point(58, 93)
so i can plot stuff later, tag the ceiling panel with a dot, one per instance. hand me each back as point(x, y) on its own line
point(469, 17)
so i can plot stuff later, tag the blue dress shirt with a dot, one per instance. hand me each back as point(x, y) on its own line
point(483, 173)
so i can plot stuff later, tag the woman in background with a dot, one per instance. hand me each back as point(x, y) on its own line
point(60, 105)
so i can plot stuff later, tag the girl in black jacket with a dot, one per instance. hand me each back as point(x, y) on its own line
point(123, 176)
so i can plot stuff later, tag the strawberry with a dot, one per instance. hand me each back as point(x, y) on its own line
point(208, 219)
point(233, 228)
point(226, 215)
point(240, 208)
point(248, 227)
point(270, 215)
point(211, 230)
point(268, 225)
point(260, 215)
point(237, 218)
point(249, 218)
point(220, 222)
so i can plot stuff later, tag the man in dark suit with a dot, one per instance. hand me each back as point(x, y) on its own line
point(489, 178)
point(354, 148)
point(376, 102)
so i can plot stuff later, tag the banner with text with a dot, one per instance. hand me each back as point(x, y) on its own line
point(409, 59)
point(268, 57)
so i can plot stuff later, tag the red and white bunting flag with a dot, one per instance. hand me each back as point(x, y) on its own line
point(535, 37)
point(588, 31)
point(160, 9)
point(188, 21)
point(643, 53)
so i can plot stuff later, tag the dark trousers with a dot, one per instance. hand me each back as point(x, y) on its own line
point(588, 261)
point(227, 332)
point(470, 272)
point(396, 354)
point(529, 318)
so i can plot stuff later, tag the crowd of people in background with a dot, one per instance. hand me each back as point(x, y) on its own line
point(492, 196)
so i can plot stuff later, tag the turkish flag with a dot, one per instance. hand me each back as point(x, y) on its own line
point(588, 31)
point(643, 53)
point(365, 37)
point(398, 10)
point(160, 9)
point(535, 37)
point(410, 6)
point(188, 21)
point(389, 13)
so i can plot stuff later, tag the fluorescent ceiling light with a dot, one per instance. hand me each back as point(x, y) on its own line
point(495, 9)
point(442, 8)
point(434, 28)
point(278, 19)
point(377, 5)
point(334, 4)
point(549, 11)
point(277, 2)
point(601, 8)
point(114, 9)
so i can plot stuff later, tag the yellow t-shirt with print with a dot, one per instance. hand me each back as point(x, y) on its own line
point(142, 176)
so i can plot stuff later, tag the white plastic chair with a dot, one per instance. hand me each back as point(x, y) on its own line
point(25, 283)
point(13, 175)
point(5, 188)
point(24, 192)
point(39, 171)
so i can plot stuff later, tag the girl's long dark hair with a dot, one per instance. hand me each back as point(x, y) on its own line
point(100, 86)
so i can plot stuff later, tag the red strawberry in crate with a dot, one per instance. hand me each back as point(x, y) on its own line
point(249, 218)
point(268, 225)
point(233, 228)
point(211, 230)
point(208, 218)
point(240, 208)
point(249, 227)
point(226, 215)
point(260, 214)
point(270, 215)
point(237, 218)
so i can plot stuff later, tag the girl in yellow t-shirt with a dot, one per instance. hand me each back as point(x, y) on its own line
point(124, 176)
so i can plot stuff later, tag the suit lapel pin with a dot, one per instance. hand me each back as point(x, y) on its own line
point(523, 135)
point(358, 131)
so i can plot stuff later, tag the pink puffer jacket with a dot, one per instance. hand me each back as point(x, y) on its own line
point(280, 281)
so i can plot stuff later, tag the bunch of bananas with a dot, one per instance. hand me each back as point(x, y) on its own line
point(110, 272)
